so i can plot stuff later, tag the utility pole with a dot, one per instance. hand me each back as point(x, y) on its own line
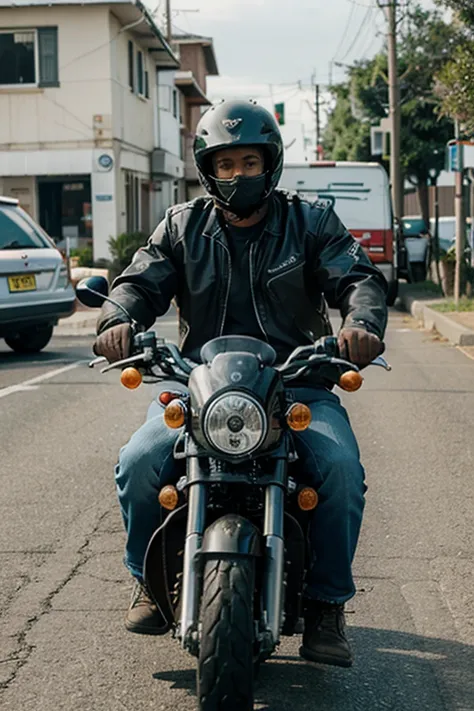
point(318, 121)
point(394, 97)
point(460, 221)
point(169, 30)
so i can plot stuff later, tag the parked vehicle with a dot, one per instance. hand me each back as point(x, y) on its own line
point(35, 290)
point(447, 232)
point(360, 194)
point(416, 235)
point(226, 568)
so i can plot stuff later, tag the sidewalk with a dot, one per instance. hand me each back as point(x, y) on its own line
point(80, 323)
point(457, 327)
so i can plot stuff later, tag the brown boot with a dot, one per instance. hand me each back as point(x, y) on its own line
point(143, 616)
point(324, 637)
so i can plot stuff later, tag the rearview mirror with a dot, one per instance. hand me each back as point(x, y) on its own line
point(93, 291)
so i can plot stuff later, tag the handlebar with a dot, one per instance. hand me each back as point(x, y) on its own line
point(151, 352)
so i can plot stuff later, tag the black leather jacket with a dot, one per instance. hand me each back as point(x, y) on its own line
point(304, 258)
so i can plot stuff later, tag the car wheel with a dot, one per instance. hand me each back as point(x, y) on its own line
point(30, 340)
point(418, 270)
point(392, 292)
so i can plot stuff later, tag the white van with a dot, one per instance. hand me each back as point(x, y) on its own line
point(360, 194)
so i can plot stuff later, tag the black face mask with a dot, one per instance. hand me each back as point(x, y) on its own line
point(242, 195)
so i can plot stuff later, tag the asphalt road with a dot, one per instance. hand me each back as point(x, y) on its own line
point(64, 591)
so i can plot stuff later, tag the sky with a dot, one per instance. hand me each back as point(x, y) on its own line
point(265, 47)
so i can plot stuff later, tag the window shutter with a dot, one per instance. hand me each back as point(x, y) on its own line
point(131, 74)
point(140, 87)
point(147, 86)
point(48, 56)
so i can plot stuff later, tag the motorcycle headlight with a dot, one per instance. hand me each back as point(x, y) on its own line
point(235, 423)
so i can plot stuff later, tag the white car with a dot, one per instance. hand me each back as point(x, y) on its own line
point(35, 290)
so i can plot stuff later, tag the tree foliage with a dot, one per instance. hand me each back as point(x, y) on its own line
point(455, 85)
point(464, 8)
point(426, 44)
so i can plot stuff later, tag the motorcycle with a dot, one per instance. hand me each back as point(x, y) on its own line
point(226, 568)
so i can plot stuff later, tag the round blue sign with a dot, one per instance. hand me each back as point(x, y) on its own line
point(106, 161)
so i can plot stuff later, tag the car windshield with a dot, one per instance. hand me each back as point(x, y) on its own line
point(240, 344)
point(413, 226)
point(17, 231)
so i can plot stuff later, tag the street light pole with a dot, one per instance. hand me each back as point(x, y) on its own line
point(394, 98)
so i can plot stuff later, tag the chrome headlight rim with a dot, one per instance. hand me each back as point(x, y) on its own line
point(251, 399)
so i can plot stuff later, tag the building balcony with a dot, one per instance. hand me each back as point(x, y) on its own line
point(165, 165)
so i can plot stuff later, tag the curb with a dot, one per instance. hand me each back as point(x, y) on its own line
point(455, 332)
point(80, 323)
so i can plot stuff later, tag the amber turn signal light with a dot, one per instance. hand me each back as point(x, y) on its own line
point(308, 499)
point(166, 397)
point(298, 417)
point(175, 414)
point(168, 497)
point(351, 381)
point(131, 378)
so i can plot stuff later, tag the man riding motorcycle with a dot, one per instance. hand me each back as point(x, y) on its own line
point(250, 259)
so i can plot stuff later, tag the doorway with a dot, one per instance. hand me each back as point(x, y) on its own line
point(65, 209)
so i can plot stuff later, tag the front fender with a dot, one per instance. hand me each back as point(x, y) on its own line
point(232, 535)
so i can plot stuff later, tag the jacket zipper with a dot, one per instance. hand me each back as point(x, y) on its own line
point(287, 271)
point(253, 293)
point(224, 313)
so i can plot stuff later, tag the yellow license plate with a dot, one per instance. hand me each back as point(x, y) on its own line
point(23, 282)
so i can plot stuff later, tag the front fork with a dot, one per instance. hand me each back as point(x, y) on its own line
point(197, 500)
point(274, 558)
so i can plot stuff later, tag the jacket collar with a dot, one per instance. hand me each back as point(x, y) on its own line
point(273, 225)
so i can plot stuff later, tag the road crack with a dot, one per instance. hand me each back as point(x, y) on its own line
point(23, 650)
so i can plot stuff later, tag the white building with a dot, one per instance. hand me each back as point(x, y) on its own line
point(90, 125)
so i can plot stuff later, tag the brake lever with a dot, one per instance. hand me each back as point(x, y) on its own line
point(380, 361)
point(96, 361)
point(126, 361)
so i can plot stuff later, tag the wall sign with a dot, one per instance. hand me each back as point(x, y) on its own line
point(105, 161)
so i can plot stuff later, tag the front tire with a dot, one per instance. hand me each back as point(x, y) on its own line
point(226, 660)
point(30, 340)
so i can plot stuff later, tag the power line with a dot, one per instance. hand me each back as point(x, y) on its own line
point(357, 35)
point(378, 33)
point(344, 34)
point(364, 34)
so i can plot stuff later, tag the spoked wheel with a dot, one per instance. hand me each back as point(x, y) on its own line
point(226, 657)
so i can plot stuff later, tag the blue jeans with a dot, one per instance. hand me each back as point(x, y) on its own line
point(329, 454)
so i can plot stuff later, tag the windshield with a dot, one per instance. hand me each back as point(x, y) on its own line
point(18, 231)
point(413, 226)
point(240, 344)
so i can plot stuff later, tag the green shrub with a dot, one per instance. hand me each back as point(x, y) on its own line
point(84, 256)
point(122, 248)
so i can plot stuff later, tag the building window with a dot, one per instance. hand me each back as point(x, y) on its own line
point(175, 104)
point(140, 74)
point(131, 77)
point(132, 201)
point(147, 85)
point(48, 56)
point(29, 57)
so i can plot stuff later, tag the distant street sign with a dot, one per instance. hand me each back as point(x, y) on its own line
point(455, 151)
